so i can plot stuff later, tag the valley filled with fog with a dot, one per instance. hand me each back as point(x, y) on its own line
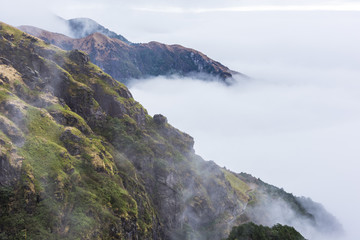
point(296, 122)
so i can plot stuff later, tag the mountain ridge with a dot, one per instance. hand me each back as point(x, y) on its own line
point(124, 60)
point(82, 159)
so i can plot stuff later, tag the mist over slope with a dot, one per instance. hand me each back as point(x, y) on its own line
point(82, 159)
point(301, 135)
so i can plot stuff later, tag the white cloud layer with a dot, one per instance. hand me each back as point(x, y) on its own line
point(300, 136)
point(297, 123)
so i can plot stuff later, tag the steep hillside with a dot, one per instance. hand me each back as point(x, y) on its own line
point(124, 61)
point(81, 159)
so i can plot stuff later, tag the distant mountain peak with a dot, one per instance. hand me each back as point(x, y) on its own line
point(124, 60)
point(83, 27)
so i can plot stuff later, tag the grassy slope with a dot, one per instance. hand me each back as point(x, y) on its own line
point(72, 196)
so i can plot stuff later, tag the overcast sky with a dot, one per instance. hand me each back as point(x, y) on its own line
point(296, 124)
point(128, 17)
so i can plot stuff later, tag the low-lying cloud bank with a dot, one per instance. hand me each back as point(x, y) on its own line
point(300, 132)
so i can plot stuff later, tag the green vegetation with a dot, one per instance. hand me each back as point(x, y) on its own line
point(47, 159)
point(40, 123)
point(17, 37)
point(69, 117)
point(237, 184)
point(5, 95)
point(259, 232)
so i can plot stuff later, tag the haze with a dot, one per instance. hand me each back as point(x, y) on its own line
point(295, 124)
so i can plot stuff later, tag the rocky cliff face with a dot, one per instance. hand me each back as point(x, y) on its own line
point(124, 60)
point(81, 159)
